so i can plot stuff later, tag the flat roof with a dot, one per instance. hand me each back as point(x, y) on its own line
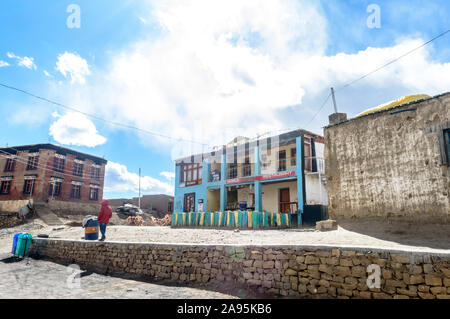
point(282, 138)
point(390, 109)
point(59, 149)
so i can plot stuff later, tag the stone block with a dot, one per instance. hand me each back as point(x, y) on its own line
point(433, 280)
point(290, 272)
point(326, 225)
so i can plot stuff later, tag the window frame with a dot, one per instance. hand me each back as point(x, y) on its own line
point(10, 164)
point(58, 186)
point(72, 191)
point(93, 190)
point(29, 190)
point(33, 162)
point(78, 169)
point(57, 167)
point(446, 134)
point(188, 171)
point(2, 183)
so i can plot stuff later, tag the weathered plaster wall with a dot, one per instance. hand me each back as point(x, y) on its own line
point(12, 205)
point(291, 270)
point(387, 165)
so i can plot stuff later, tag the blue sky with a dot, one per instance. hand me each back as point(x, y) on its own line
point(203, 71)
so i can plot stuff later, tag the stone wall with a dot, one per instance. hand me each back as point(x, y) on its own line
point(8, 219)
point(298, 271)
point(390, 164)
point(12, 205)
point(65, 208)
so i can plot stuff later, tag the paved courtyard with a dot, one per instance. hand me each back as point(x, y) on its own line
point(32, 278)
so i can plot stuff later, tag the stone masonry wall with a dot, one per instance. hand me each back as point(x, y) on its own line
point(299, 271)
point(387, 165)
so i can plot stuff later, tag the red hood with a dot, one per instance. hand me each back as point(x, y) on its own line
point(105, 203)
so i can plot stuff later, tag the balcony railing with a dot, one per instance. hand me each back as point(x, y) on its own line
point(315, 165)
point(239, 170)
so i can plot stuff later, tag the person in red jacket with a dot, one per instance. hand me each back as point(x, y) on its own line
point(103, 218)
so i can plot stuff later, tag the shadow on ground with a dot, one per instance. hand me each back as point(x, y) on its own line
point(411, 233)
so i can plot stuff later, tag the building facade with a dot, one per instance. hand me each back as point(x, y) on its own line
point(46, 171)
point(283, 174)
point(391, 163)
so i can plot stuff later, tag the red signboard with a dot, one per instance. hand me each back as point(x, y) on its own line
point(260, 178)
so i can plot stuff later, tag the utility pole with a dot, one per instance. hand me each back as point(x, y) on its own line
point(334, 100)
point(139, 200)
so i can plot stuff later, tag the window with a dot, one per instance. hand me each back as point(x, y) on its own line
point(95, 171)
point(93, 192)
point(191, 174)
point(33, 161)
point(232, 171)
point(28, 185)
point(76, 190)
point(447, 145)
point(10, 163)
point(55, 187)
point(293, 157)
point(281, 161)
point(247, 168)
point(58, 163)
point(78, 168)
point(170, 207)
point(5, 186)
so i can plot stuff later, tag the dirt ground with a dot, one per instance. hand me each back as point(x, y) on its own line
point(373, 234)
point(41, 279)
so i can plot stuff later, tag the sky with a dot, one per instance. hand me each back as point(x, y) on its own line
point(200, 72)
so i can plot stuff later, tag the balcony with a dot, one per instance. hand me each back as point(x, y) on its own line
point(240, 170)
point(314, 165)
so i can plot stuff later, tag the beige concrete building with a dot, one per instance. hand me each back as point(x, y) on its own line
point(392, 163)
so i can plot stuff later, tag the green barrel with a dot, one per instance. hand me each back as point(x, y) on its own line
point(255, 220)
point(216, 218)
point(207, 219)
point(266, 219)
point(283, 220)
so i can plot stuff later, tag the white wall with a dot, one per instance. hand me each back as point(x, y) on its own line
point(271, 194)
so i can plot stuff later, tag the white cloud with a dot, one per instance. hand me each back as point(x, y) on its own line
point(3, 63)
point(222, 69)
point(119, 179)
point(75, 129)
point(73, 65)
point(47, 74)
point(168, 175)
point(25, 61)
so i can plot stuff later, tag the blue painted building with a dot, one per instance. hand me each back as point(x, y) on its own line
point(283, 174)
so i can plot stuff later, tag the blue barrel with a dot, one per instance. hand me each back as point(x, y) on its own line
point(91, 230)
point(14, 245)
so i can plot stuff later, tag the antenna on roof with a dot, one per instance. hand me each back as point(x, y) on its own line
point(334, 100)
point(336, 117)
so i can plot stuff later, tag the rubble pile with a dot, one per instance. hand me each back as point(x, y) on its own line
point(165, 221)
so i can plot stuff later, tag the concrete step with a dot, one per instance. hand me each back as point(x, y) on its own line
point(48, 217)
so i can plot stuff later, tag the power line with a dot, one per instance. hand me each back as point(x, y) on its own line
point(393, 61)
point(47, 168)
point(374, 71)
point(100, 118)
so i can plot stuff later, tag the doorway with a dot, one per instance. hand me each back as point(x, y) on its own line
point(189, 202)
point(285, 200)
